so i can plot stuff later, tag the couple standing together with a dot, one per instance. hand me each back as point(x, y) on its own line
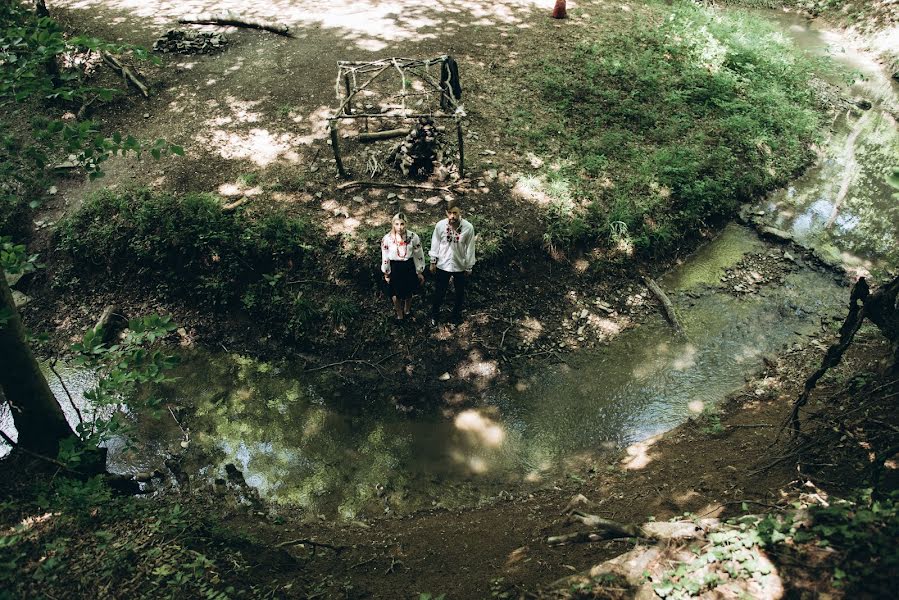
point(451, 254)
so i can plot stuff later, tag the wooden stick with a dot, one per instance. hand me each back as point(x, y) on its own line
point(349, 98)
point(394, 115)
point(231, 206)
point(306, 541)
point(388, 184)
point(234, 20)
point(848, 329)
point(129, 76)
point(349, 91)
point(666, 304)
point(461, 149)
point(334, 147)
point(383, 135)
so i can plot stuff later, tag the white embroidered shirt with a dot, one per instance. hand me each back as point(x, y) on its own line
point(405, 248)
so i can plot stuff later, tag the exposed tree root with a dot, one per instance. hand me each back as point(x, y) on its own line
point(880, 308)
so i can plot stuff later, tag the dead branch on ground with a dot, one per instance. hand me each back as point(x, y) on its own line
point(388, 185)
point(125, 72)
point(234, 20)
point(666, 304)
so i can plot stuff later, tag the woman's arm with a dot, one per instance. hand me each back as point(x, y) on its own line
point(385, 256)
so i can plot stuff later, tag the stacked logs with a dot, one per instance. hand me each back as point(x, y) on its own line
point(181, 41)
point(420, 152)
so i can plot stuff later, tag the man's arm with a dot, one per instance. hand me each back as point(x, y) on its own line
point(469, 251)
point(434, 250)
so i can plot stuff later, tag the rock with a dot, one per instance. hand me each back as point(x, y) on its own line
point(863, 104)
point(358, 199)
point(444, 377)
point(536, 161)
point(789, 257)
point(776, 234)
point(606, 308)
point(13, 278)
point(185, 444)
point(584, 314)
point(20, 299)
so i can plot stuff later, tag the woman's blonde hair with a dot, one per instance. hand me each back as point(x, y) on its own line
point(393, 219)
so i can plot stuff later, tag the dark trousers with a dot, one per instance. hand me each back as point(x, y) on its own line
point(459, 281)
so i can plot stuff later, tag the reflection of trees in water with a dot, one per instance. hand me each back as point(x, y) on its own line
point(288, 444)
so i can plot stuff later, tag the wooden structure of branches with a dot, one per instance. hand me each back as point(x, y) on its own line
point(413, 92)
point(880, 308)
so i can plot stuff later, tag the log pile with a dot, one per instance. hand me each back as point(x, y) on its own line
point(420, 152)
point(182, 41)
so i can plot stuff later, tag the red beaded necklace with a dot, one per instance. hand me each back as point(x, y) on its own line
point(401, 245)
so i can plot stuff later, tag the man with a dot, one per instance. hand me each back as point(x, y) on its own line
point(452, 257)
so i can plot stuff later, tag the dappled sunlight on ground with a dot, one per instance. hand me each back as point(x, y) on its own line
point(477, 370)
point(371, 25)
point(637, 455)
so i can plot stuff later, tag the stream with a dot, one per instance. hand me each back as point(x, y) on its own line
point(298, 444)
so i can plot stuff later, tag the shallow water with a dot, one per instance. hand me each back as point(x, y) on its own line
point(842, 206)
point(327, 455)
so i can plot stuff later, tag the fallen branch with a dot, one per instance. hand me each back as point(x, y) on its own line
point(232, 206)
point(387, 185)
point(387, 134)
point(344, 362)
point(308, 542)
point(666, 304)
point(125, 72)
point(235, 21)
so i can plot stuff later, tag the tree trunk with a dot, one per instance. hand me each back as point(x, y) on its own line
point(36, 413)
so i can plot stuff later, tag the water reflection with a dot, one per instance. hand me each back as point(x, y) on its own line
point(843, 206)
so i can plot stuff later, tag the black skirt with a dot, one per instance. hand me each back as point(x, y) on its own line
point(403, 279)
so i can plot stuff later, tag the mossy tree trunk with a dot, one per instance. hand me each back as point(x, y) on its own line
point(36, 413)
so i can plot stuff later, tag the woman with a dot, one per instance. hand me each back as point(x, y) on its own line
point(403, 265)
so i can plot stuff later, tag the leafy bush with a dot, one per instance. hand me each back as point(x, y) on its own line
point(189, 247)
point(33, 81)
point(683, 121)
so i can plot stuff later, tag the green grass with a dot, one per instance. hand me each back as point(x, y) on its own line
point(668, 124)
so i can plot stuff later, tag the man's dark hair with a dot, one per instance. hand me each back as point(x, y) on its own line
point(451, 204)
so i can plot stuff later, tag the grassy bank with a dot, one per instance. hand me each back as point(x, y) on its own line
point(187, 247)
point(660, 122)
